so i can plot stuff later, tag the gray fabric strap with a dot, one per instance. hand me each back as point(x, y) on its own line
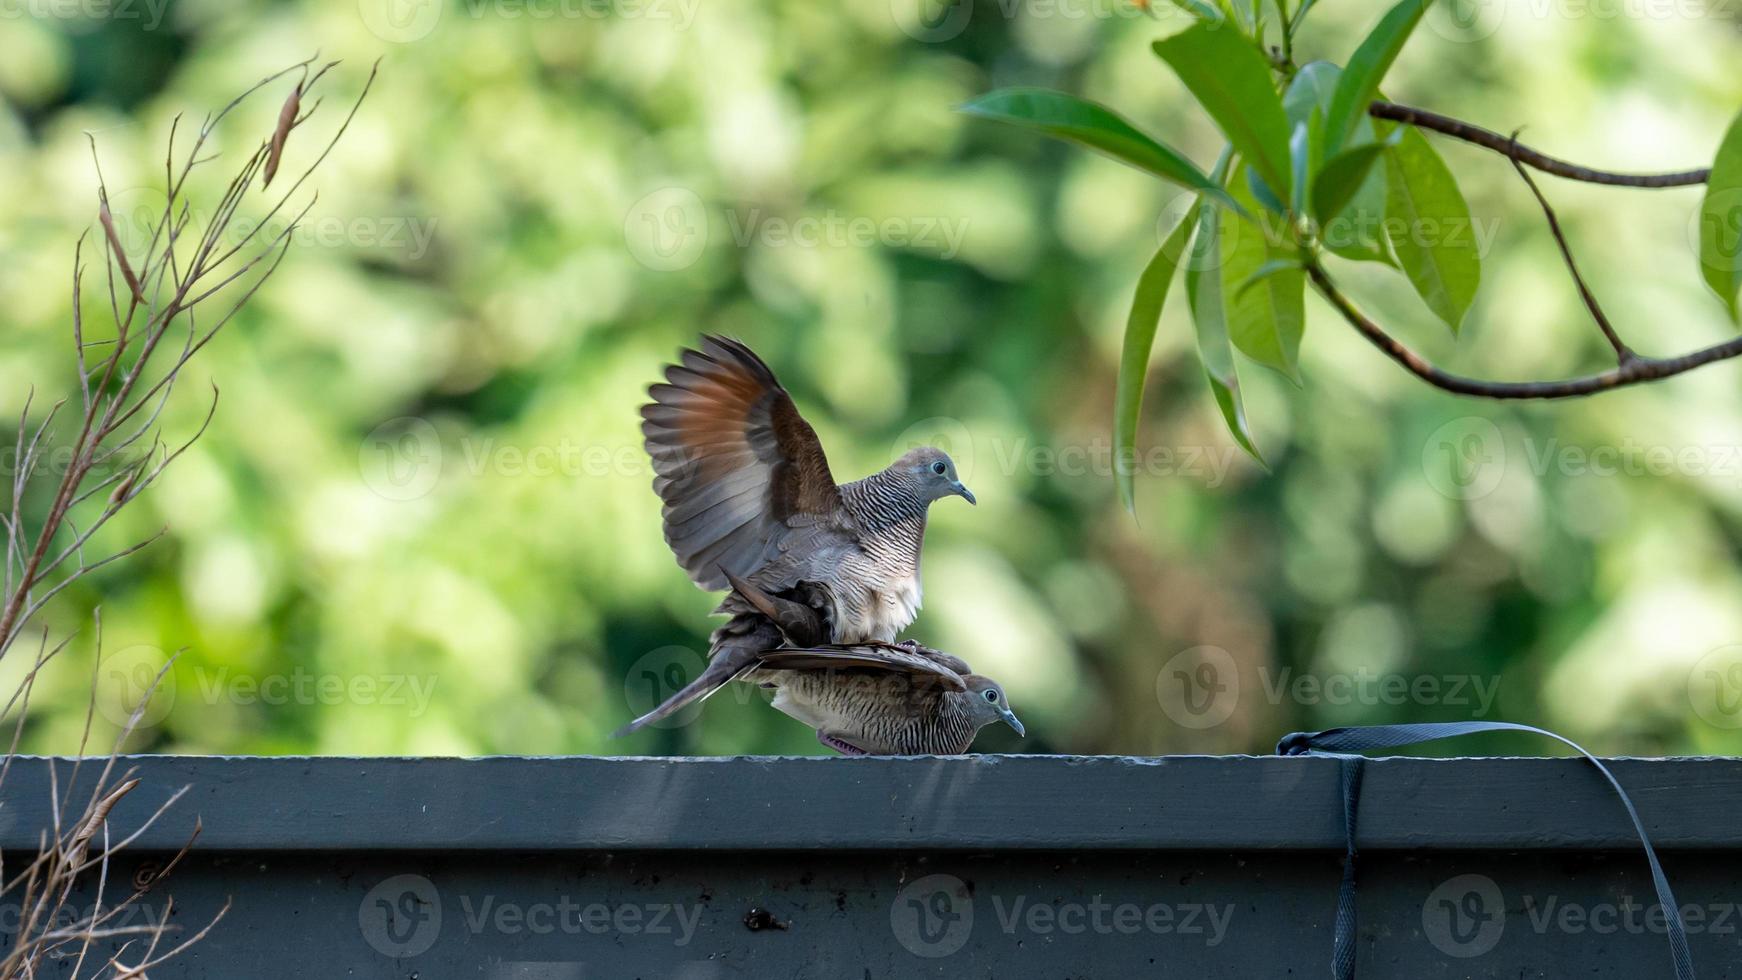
point(1344, 743)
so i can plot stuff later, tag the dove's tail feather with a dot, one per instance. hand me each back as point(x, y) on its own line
point(802, 624)
point(736, 646)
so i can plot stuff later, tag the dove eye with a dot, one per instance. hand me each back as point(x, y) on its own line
point(938, 467)
point(992, 696)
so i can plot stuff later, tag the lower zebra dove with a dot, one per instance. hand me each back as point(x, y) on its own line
point(879, 699)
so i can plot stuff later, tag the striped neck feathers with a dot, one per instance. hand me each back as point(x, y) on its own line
point(884, 502)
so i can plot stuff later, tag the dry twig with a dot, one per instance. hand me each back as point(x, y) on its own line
point(115, 454)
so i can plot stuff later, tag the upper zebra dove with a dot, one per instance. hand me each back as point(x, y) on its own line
point(750, 505)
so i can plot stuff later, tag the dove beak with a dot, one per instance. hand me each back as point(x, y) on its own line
point(1010, 719)
point(963, 492)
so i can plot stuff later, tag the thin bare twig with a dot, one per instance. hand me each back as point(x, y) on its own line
point(1622, 353)
point(123, 390)
point(1632, 372)
point(1471, 133)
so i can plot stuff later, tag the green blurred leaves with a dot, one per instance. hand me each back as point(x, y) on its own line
point(1721, 222)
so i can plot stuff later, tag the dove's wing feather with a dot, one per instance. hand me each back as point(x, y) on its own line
point(872, 656)
point(742, 475)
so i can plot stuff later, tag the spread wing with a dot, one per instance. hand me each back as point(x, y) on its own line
point(872, 656)
point(738, 468)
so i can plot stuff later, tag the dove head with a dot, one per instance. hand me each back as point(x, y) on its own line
point(988, 704)
point(933, 474)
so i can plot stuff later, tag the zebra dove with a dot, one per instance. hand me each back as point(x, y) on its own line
point(876, 699)
point(750, 505)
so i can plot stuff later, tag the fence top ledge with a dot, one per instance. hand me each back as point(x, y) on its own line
point(945, 803)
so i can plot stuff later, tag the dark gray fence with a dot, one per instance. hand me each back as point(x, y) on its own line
point(991, 866)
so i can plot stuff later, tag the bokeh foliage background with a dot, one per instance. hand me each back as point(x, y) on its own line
point(421, 521)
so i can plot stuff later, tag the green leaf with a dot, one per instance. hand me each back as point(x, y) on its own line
point(1264, 272)
point(1300, 145)
point(1721, 222)
point(1097, 127)
point(1204, 294)
point(1232, 82)
point(1429, 227)
point(1341, 178)
point(1201, 9)
point(1355, 232)
point(1241, 15)
point(1312, 86)
point(1146, 306)
point(1366, 69)
point(1266, 322)
point(1261, 192)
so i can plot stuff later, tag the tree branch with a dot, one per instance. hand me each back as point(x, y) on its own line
point(1622, 353)
point(1632, 372)
point(1511, 148)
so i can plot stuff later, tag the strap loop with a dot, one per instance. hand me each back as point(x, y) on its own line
point(1342, 743)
